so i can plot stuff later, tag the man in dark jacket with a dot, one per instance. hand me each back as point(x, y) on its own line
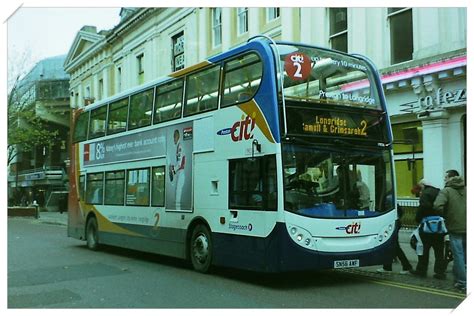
point(451, 203)
point(436, 241)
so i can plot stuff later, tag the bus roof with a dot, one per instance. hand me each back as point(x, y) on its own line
point(259, 43)
point(256, 44)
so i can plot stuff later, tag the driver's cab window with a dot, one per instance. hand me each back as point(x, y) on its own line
point(357, 181)
point(252, 183)
point(336, 184)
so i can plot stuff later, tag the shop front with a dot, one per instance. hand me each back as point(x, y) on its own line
point(427, 106)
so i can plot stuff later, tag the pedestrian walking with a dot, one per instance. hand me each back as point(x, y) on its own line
point(451, 202)
point(406, 265)
point(429, 240)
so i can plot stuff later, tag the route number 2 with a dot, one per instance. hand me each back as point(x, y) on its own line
point(297, 66)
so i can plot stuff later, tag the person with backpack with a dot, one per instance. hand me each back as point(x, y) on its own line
point(431, 238)
point(451, 203)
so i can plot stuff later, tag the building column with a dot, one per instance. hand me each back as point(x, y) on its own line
point(436, 158)
point(426, 43)
point(226, 28)
point(105, 82)
point(254, 21)
point(128, 70)
point(311, 25)
point(287, 28)
point(203, 35)
point(192, 39)
point(80, 95)
point(356, 20)
point(455, 147)
point(154, 58)
point(95, 87)
point(315, 26)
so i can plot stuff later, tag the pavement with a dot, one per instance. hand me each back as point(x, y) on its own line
point(57, 218)
point(395, 276)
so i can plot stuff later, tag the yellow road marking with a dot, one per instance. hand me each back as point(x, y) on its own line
point(420, 289)
point(411, 287)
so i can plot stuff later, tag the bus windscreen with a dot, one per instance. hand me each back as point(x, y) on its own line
point(320, 76)
point(321, 182)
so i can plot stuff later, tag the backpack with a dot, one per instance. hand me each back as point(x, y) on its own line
point(433, 225)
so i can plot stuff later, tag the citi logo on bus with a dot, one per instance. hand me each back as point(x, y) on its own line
point(350, 229)
point(240, 130)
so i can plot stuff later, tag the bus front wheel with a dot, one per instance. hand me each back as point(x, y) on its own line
point(201, 249)
point(92, 234)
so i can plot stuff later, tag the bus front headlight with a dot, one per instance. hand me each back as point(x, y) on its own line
point(386, 232)
point(300, 235)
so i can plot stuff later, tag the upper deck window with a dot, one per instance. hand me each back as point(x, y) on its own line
point(80, 130)
point(242, 78)
point(202, 91)
point(118, 112)
point(314, 75)
point(97, 122)
point(140, 109)
point(168, 101)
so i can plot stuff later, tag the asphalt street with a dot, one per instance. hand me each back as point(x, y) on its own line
point(46, 269)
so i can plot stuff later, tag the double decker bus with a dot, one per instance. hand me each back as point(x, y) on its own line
point(268, 157)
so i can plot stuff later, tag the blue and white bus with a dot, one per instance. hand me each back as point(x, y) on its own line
point(268, 157)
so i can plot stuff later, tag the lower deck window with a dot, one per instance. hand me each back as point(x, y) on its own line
point(158, 186)
point(138, 187)
point(253, 183)
point(94, 188)
point(82, 186)
point(114, 187)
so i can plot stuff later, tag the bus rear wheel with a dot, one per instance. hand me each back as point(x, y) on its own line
point(201, 249)
point(92, 234)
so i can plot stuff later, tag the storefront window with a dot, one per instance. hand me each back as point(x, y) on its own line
point(408, 173)
point(408, 138)
point(408, 143)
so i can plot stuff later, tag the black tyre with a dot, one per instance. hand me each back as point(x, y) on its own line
point(200, 250)
point(92, 234)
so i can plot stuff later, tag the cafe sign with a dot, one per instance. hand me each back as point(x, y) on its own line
point(443, 98)
point(440, 99)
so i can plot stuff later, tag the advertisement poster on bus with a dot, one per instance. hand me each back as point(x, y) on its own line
point(147, 144)
point(179, 148)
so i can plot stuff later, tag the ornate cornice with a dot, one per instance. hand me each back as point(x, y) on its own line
point(124, 27)
point(72, 62)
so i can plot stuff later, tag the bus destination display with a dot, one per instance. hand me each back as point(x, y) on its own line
point(336, 126)
point(312, 122)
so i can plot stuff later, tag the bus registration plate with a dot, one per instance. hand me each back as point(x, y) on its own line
point(339, 264)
